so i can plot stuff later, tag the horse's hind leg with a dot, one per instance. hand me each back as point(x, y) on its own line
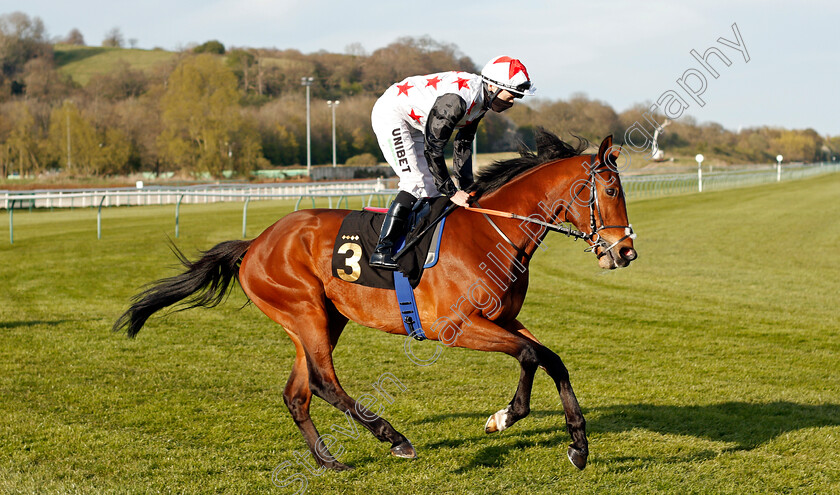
point(323, 329)
point(298, 397)
point(324, 383)
point(298, 393)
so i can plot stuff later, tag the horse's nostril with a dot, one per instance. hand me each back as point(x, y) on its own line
point(628, 254)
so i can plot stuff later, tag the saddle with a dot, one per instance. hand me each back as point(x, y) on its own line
point(359, 233)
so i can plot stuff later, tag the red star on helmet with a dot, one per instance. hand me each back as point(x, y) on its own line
point(415, 116)
point(433, 82)
point(462, 83)
point(515, 66)
point(404, 89)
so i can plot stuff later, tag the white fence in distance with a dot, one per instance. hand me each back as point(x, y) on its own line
point(635, 186)
point(161, 195)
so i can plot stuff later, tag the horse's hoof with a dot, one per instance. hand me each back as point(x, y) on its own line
point(490, 425)
point(404, 450)
point(577, 457)
point(496, 422)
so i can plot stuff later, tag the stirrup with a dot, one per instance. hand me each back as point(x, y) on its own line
point(393, 227)
point(383, 261)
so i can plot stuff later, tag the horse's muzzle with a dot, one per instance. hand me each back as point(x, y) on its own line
point(617, 258)
point(628, 254)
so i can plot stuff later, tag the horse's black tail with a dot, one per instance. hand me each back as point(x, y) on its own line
point(206, 280)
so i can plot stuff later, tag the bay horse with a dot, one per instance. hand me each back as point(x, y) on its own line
point(473, 296)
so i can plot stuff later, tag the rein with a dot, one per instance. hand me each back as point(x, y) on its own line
point(593, 236)
point(550, 226)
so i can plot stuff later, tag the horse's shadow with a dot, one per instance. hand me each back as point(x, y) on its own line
point(30, 323)
point(742, 425)
point(747, 425)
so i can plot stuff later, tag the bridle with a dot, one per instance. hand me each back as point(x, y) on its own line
point(593, 237)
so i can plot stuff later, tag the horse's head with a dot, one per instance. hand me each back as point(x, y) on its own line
point(598, 209)
point(579, 189)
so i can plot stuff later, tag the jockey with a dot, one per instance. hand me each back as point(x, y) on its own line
point(415, 118)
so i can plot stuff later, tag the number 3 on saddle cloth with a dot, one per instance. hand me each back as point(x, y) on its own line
point(357, 239)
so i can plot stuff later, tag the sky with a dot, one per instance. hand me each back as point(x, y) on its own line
point(622, 53)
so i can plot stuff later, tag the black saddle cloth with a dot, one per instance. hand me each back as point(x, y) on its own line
point(359, 234)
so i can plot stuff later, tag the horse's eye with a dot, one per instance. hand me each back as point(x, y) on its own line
point(612, 192)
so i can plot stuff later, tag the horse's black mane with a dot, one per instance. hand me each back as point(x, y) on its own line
point(549, 147)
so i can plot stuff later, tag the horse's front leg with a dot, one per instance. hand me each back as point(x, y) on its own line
point(575, 424)
point(515, 340)
point(520, 405)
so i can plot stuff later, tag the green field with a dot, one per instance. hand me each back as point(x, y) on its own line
point(83, 62)
point(711, 365)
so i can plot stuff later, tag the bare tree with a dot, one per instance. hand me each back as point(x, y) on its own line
point(114, 38)
point(21, 38)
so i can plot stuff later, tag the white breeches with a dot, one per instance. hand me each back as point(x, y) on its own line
point(402, 145)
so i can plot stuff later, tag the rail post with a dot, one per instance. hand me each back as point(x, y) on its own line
point(699, 159)
point(11, 206)
point(245, 216)
point(99, 217)
point(178, 213)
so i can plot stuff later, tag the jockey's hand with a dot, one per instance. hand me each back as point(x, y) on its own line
point(460, 198)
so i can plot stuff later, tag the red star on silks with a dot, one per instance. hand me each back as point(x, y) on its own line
point(433, 82)
point(515, 66)
point(415, 116)
point(404, 89)
point(462, 83)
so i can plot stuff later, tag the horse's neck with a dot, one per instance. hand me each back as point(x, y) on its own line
point(541, 194)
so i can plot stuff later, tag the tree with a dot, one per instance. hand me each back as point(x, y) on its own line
point(212, 46)
point(74, 37)
point(797, 146)
point(113, 38)
point(42, 81)
point(240, 61)
point(22, 144)
point(76, 144)
point(123, 82)
point(139, 120)
point(833, 144)
point(21, 40)
point(409, 56)
point(114, 152)
point(203, 128)
point(72, 140)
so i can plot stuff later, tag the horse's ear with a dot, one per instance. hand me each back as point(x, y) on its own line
point(606, 144)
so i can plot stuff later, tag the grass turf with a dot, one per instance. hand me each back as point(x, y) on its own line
point(81, 63)
point(710, 365)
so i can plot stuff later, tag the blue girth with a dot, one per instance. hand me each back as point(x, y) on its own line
point(405, 294)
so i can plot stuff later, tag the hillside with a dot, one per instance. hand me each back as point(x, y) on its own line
point(83, 62)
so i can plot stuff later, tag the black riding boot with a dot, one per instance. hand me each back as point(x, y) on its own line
point(392, 228)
